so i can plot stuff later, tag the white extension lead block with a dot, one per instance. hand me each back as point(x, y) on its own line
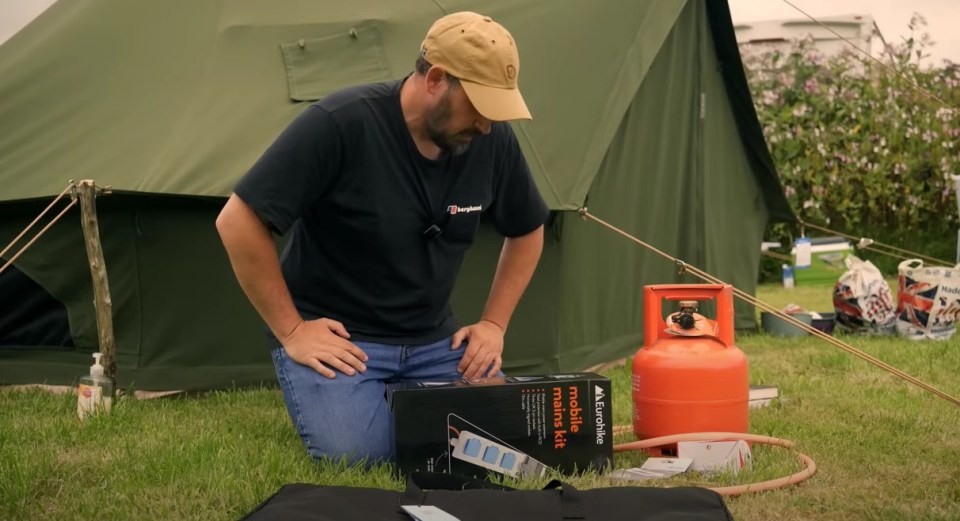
point(716, 456)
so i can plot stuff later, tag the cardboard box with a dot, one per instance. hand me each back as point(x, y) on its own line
point(516, 426)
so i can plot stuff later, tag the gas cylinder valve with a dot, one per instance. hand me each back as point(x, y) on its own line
point(685, 318)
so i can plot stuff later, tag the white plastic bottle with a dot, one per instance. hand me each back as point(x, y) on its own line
point(95, 392)
point(788, 276)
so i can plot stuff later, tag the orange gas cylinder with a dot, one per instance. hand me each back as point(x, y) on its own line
point(688, 376)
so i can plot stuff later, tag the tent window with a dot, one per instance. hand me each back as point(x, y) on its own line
point(29, 316)
point(318, 66)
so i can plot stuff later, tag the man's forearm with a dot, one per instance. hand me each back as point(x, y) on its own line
point(253, 256)
point(518, 260)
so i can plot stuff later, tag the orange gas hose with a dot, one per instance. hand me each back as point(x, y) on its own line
point(809, 470)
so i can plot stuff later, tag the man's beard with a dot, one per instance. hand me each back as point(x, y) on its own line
point(437, 122)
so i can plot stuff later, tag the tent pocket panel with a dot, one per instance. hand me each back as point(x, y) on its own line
point(316, 67)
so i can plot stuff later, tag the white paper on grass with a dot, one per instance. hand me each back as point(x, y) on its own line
point(653, 468)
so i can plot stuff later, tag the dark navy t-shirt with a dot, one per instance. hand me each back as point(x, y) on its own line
point(348, 183)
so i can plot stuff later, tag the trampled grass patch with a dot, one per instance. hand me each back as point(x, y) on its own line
point(885, 449)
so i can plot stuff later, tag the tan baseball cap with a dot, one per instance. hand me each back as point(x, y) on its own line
point(482, 54)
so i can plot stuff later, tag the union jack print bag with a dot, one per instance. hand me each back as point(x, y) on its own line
point(862, 299)
point(928, 303)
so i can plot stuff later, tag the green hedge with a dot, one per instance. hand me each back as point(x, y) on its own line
point(858, 148)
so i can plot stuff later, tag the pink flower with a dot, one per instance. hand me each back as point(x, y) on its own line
point(811, 86)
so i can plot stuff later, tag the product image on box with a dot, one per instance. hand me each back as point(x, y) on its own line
point(484, 450)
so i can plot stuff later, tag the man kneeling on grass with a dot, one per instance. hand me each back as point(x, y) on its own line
point(381, 188)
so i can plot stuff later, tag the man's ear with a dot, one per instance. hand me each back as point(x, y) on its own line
point(436, 80)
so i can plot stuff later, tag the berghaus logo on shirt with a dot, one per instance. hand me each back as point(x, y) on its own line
point(454, 209)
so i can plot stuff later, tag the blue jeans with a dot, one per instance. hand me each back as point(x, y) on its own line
point(347, 416)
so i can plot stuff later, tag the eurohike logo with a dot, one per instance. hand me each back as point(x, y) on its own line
point(454, 209)
point(599, 404)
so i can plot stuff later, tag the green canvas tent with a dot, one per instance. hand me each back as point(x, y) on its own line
point(641, 113)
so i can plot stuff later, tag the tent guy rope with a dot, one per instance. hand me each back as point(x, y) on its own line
point(69, 187)
point(865, 243)
point(684, 267)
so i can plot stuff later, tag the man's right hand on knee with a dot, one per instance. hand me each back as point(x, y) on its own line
point(322, 344)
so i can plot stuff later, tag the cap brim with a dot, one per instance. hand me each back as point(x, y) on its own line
point(496, 104)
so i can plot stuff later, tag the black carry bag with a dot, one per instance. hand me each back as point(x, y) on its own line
point(474, 500)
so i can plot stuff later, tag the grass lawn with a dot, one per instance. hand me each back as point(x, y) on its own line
point(884, 449)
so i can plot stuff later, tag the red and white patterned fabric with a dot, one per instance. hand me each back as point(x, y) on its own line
point(862, 299)
point(928, 304)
